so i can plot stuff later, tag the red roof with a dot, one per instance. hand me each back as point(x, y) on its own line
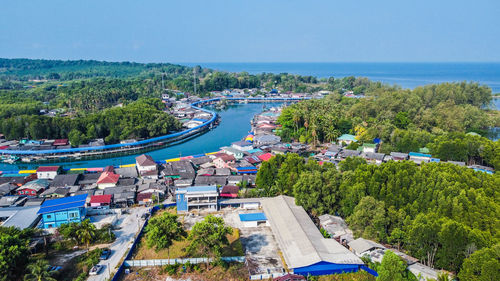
point(143, 196)
point(230, 191)
point(265, 157)
point(101, 199)
point(61, 142)
point(48, 169)
point(225, 157)
point(108, 177)
point(4, 146)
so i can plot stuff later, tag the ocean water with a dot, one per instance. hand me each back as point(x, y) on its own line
point(407, 75)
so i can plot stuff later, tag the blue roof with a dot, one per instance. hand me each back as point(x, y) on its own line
point(61, 204)
point(419, 154)
point(246, 168)
point(435, 160)
point(201, 188)
point(253, 217)
point(254, 150)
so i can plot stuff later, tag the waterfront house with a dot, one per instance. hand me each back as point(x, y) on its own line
point(68, 180)
point(238, 154)
point(33, 188)
point(61, 142)
point(196, 197)
point(101, 201)
point(242, 145)
point(48, 172)
point(145, 164)
point(266, 140)
point(346, 139)
point(107, 179)
point(127, 172)
point(56, 212)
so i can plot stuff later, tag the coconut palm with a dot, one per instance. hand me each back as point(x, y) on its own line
point(86, 232)
point(38, 271)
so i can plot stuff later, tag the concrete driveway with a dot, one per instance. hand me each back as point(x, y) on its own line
point(129, 225)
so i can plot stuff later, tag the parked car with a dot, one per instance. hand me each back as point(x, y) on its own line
point(95, 269)
point(105, 254)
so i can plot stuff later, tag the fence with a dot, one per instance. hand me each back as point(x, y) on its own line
point(161, 262)
point(121, 268)
point(266, 276)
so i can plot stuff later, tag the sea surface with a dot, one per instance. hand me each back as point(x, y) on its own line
point(407, 75)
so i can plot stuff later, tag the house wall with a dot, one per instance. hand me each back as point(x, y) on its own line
point(29, 192)
point(145, 168)
point(56, 219)
point(105, 185)
point(46, 175)
point(181, 202)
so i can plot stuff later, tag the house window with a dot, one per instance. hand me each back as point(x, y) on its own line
point(49, 216)
point(72, 215)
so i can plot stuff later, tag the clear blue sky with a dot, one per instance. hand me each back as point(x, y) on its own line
point(252, 31)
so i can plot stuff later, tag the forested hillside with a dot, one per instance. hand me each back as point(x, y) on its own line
point(436, 116)
point(441, 213)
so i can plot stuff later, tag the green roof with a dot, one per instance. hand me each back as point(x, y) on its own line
point(424, 150)
point(347, 137)
point(372, 145)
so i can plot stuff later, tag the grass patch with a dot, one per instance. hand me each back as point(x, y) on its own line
point(177, 250)
point(78, 268)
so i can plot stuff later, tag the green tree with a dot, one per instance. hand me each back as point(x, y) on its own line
point(163, 230)
point(369, 219)
point(209, 237)
point(392, 268)
point(86, 232)
point(38, 271)
point(482, 265)
point(14, 252)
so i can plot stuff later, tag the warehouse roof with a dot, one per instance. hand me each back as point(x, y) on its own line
point(300, 241)
point(362, 245)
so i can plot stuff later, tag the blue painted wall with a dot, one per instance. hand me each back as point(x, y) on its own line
point(326, 268)
point(56, 219)
point(181, 202)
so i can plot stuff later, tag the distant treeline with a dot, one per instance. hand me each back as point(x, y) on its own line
point(141, 119)
point(435, 116)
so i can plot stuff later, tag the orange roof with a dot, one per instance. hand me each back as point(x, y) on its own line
point(108, 177)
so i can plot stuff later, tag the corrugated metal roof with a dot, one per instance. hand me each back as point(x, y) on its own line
point(300, 241)
point(253, 217)
point(202, 189)
point(63, 203)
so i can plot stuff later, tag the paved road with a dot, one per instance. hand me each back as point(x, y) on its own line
point(129, 225)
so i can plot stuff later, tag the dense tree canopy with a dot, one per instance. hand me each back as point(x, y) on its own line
point(439, 212)
point(14, 252)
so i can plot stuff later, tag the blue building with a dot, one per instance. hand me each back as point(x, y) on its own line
point(196, 197)
point(63, 210)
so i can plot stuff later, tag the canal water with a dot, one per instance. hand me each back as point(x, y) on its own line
point(234, 125)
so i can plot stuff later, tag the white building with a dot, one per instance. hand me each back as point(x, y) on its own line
point(145, 164)
point(47, 172)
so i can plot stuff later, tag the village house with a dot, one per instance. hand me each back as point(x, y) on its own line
point(146, 166)
point(229, 191)
point(107, 179)
point(47, 172)
point(398, 156)
point(242, 145)
point(56, 212)
point(259, 140)
point(346, 139)
point(418, 157)
point(101, 201)
point(238, 154)
point(223, 160)
point(33, 188)
point(196, 197)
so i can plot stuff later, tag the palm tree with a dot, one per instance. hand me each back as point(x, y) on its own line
point(86, 232)
point(38, 271)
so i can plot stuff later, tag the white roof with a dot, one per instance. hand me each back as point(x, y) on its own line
point(362, 245)
point(300, 241)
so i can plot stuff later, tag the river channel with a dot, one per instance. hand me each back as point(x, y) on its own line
point(234, 125)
